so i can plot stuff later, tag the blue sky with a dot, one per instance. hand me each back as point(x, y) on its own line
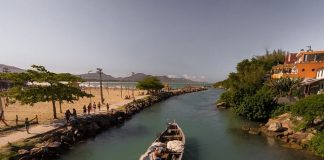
point(198, 39)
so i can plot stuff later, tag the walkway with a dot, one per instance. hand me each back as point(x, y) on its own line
point(42, 128)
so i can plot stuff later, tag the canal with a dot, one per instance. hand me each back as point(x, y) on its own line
point(210, 134)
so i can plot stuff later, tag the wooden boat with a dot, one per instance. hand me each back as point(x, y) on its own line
point(168, 146)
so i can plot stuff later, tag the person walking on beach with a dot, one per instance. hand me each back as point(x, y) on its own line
point(74, 113)
point(27, 125)
point(99, 105)
point(94, 107)
point(89, 108)
point(84, 109)
point(67, 115)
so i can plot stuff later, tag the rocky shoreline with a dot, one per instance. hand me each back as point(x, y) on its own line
point(53, 144)
point(283, 129)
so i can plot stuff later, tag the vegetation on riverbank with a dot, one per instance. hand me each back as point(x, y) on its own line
point(246, 89)
point(255, 96)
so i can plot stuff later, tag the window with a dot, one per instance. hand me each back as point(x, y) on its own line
point(313, 69)
point(303, 69)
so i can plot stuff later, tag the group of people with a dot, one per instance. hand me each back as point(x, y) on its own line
point(90, 107)
point(70, 116)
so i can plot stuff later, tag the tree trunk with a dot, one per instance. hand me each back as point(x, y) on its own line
point(1, 106)
point(54, 109)
point(61, 107)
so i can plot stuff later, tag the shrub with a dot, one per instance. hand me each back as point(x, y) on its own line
point(309, 107)
point(257, 107)
point(280, 109)
point(317, 144)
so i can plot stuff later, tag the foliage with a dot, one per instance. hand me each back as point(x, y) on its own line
point(285, 86)
point(316, 144)
point(309, 107)
point(40, 85)
point(280, 109)
point(250, 77)
point(257, 107)
point(150, 84)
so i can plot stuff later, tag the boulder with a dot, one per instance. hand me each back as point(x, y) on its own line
point(222, 105)
point(35, 151)
point(23, 152)
point(255, 131)
point(275, 127)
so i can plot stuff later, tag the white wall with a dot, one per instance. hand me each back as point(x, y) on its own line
point(320, 74)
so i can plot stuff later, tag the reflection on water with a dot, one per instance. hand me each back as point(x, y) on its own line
point(210, 134)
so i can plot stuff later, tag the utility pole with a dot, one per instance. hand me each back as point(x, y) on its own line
point(99, 70)
point(121, 89)
point(134, 85)
point(89, 85)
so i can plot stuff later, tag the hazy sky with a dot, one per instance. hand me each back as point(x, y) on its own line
point(201, 38)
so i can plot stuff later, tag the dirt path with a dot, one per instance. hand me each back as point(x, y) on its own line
point(42, 128)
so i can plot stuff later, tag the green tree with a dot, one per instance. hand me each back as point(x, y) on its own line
point(40, 85)
point(257, 107)
point(250, 77)
point(285, 86)
point(151, 84)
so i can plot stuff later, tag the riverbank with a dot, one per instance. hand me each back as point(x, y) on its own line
point(53, 144)
point(289, 131)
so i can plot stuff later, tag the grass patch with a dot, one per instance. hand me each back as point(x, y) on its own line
point(317, 144)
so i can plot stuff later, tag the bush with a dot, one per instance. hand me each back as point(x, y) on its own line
point(280, 109)
point(309, 107)
point(317, 144)
point(257, 107)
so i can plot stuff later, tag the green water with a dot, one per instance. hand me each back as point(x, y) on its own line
point(211, 134)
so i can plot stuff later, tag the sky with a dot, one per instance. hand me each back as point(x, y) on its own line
point(197, 39)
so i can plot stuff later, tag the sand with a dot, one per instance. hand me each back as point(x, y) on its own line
point(44, 110)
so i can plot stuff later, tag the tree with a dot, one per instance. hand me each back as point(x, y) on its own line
point(151, 84)
point(257, 107)
point(285, 86)
point(40, 85)
point(245, 88)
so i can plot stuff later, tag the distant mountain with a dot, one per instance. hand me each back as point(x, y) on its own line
point(6, 68)
point(134, 78)
point(95, 77)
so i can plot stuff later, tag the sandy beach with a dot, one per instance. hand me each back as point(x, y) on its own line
point(44, 110)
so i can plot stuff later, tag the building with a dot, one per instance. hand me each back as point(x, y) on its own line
point(314, 85)
point(290, 58)
point(301, 65)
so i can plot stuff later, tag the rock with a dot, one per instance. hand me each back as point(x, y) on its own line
point(295, 146)
point(318, 120)
point(275, 127)
point(299, 118)
point(254, 131)
point(222, 105)
point(35, 151)
point(290, 132)
point(54, 145)
point(245, 128)
point(23, 152)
